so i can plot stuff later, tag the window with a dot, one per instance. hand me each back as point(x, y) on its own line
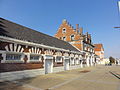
point(64, 38)
point(72, 37)
point(58, 59)
point(13, 57)
point(64, 30)
point(33, 57)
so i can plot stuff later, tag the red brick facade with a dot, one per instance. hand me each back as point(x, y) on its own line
point(25, 52)
point(7, 67)
point(75, 36)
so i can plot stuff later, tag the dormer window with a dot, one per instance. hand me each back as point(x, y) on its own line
point(64, 30)
point(72, 37)
point(64, 38)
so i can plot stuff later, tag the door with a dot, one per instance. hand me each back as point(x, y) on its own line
point(77, 61)
point(48, 66)
point(72, 61)
point(66, 64)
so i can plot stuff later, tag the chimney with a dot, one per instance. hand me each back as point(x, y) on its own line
point(81, 31)
point(64, 21)
point(87, 34)
point(77, 28)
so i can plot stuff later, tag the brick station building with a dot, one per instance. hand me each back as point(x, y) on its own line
point(29, 52)
point(82, 42)
point(25, 49)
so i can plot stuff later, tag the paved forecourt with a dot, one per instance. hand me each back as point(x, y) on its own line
point(89, 78)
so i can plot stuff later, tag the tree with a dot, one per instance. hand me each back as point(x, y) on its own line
point(111, 59)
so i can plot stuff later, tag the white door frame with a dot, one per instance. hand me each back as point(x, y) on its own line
point(66, 63)
point(48, 66)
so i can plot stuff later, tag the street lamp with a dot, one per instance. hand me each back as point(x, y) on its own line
point(116, 27)
point(118, 10)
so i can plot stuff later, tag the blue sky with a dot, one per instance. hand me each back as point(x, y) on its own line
point(98, 17)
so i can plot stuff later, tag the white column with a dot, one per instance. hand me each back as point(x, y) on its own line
point(48, 66)
point(81, 65)
point(91, 60)
point(52, 66)
point(66, 63)
point(74, 61)
point(4, 57)
point(119, 62)
point(87, 61)
point(28, 56)
point(77, 61)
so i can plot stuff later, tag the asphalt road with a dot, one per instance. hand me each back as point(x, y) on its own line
point(90, 78)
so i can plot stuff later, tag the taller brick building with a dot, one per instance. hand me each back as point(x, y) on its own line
point(83, 42)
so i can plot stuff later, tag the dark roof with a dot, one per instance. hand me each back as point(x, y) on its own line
point(13, 30)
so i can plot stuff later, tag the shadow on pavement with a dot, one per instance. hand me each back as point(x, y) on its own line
point(14, 85)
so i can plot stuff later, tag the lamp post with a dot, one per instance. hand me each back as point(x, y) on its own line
point(116, 27)
point(118, 10)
